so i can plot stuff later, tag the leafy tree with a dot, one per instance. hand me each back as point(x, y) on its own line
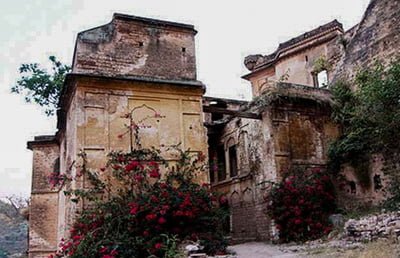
point(40, 86)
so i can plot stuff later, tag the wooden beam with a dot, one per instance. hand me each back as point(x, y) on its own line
point(236, 113)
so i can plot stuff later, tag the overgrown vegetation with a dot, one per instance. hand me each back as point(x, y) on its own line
point(137, 212)
point(301, 204)
point(40, 86)
point(369, 115)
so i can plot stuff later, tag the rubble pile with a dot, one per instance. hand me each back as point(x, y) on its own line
point(373, 227)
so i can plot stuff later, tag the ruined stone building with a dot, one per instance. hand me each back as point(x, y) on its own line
point(148, 65)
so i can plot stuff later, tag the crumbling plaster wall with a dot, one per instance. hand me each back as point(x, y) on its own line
point(375, 38)
point(292, 133)
point(299, 67)
point(134, 47)
point(245, 191)
point(44, 201)
point(96, 119)
point(360, 195)
point(302, 132)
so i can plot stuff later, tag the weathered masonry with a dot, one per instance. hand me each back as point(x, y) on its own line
point(145, 66)
point(287, 124)
point(132, 64)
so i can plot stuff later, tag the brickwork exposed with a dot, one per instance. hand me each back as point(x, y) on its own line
point(131, 65)
point(135, 46)
point(44, 200)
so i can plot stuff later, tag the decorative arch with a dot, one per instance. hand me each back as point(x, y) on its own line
point(248, 195)
point(235, 199)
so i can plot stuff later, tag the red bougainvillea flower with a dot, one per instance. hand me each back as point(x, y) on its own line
point(103, 250)
point(297, 221)
point(134, 208)
point(165, 194)
point(139, 178)
point(162, 220)
point(158, 246)
point(151, 217)
point(153, 164)
point(154, 173)
point(154, 199)
point(132, 165)
point(223, 200)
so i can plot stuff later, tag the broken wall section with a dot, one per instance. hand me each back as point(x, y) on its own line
point(132, 46)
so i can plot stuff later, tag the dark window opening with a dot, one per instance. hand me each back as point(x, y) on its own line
point(321, 79)
point(56, 166)
point(233, 161)
point(212, 160)
point(227, 224)
point(220, 164)
point(306, 58)
point(183, 50)
point(220, 104)
point(352, 185)
point(140, 44)
point(377, 182)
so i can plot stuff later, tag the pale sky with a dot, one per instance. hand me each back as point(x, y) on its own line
point(31, 30)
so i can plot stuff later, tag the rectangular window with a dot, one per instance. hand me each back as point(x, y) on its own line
point(221, 163)
point(321, 79)
point(233, 161)
point(212, 159)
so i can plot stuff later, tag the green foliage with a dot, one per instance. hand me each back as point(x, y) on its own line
point(321, 64)
point(171, 247)
point(369, 116)
point(134, 211)
point(40, 86)
point(301, 204)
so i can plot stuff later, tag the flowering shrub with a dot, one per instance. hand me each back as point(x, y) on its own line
point(135, 210)
point(301, 203)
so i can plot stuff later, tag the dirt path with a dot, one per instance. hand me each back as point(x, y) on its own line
point(260, 250)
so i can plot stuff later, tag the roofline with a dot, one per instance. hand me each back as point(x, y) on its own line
point(192, 83)
point(42, 140)
point(277, 57)
point(235, 101)
point(296, 42)
point(155, 22)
